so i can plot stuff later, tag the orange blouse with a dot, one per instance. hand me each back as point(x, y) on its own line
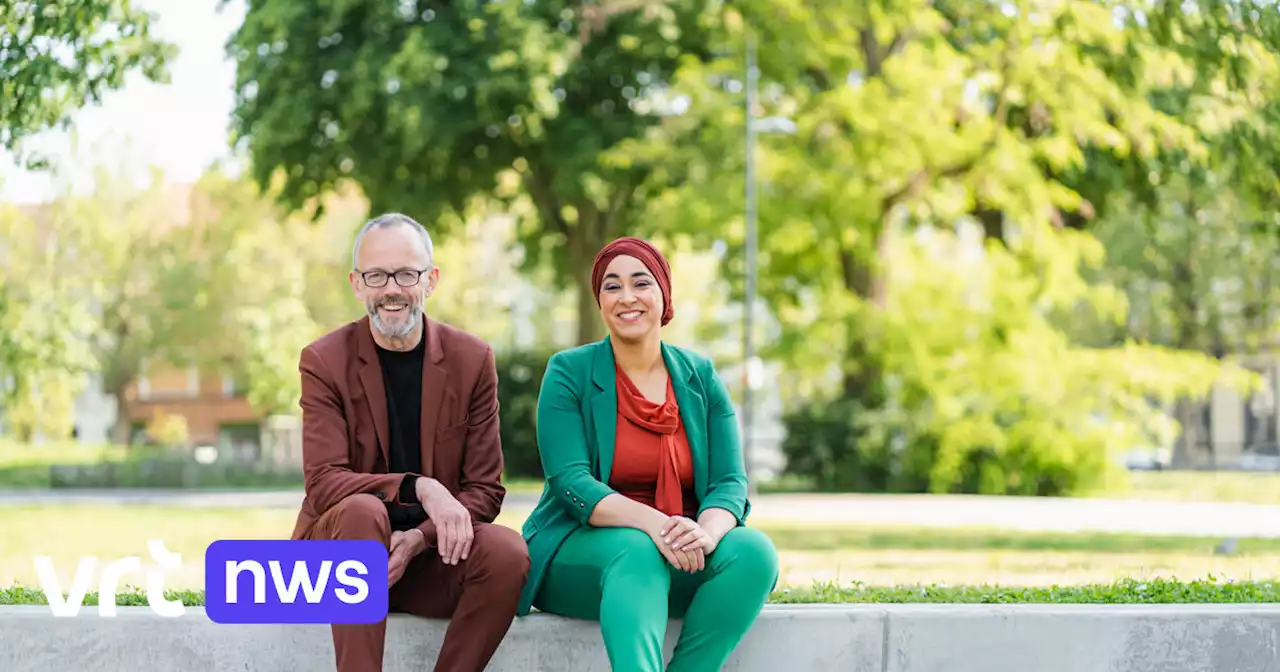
point(651, 462)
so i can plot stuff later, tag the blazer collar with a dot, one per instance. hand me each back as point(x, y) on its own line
point(605, 408)
point(604, 374)
point(368, 348)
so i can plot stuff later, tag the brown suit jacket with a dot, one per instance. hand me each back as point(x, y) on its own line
point(344, 422)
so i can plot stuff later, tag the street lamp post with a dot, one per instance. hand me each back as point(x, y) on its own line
point(748, 347)
point(752, 368)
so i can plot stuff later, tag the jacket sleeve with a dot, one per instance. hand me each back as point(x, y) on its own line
point(726, 475)
point(562, 443)
point(482, 491)
point(325, 454)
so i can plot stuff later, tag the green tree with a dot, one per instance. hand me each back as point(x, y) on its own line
point(904, 115)
point(985, 393)
point(428, 105)
point(1191, 238)
point(277, 282)
point(45, 327)
point(918, 116)
point(56, 57)
point(144, 271)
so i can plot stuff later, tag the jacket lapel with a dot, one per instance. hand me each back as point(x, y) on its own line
point(604, 410)
point(693, 413)
point(374, 387)
point(435, 380)
point(604, 407)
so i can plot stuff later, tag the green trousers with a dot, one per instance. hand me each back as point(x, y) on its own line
point(618, 576)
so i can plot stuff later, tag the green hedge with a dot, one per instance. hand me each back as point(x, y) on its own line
point(172, 472)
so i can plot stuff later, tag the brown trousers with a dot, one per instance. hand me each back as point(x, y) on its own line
point(478, 595)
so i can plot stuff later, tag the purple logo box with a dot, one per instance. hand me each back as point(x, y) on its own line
point(286, 581)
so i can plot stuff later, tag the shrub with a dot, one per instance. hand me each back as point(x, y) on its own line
point(519, 379)
point(842, 446)
point(825, 446)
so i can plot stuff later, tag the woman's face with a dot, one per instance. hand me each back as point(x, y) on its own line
point(630, 299)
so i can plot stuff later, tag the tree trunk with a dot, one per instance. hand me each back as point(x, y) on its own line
point(992, 222)
point(124, 426)
point(867, 281)
point(1186, 442)
point(583, 239)
point(1186, 337)
point(590, 328)
point(586, 237)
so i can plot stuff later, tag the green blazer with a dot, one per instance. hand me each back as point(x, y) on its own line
point(577, 425)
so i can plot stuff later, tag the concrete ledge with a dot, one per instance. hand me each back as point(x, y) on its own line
point(852, 638)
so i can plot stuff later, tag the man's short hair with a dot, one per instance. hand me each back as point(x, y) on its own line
point(388, 220)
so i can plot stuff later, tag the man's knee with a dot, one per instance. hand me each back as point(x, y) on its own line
point(500, 553)
point(361, 516)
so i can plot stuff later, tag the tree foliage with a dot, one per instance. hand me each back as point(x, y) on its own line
point(280, 282)
point(428, 105)
point(120, 277)
point(984, 391)
point(45, 328)
point(56, 57)
point(921, 116)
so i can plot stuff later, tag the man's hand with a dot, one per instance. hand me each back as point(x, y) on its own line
point(404, 547)
point(453, 520)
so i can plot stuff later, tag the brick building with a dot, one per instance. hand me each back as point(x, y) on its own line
point(214, 407)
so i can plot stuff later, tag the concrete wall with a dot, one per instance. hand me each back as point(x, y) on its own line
point(849, 638)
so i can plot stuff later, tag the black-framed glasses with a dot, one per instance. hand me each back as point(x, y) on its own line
point(404, 277)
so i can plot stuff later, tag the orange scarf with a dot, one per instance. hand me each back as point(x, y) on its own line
point(664, 420)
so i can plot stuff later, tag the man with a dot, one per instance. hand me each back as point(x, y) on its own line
point(400, 444)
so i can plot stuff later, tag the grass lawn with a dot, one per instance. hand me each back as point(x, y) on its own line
point(817, 563)
point(1124, 591)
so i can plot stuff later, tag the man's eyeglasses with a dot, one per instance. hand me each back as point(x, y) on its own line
point(404, 278)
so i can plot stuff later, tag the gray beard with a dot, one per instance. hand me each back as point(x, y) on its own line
point(395, 331)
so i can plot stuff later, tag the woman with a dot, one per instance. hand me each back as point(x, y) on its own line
point(644, 511)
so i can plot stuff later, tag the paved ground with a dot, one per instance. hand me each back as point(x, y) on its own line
point(1023, 513)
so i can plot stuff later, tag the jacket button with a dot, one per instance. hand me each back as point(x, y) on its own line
point(582, 504)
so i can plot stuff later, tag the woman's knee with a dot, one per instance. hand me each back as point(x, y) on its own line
point(630, 551)
point(751, 555)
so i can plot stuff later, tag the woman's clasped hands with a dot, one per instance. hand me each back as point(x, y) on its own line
point(684, 543)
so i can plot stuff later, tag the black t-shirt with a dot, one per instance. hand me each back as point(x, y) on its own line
point(402, 376)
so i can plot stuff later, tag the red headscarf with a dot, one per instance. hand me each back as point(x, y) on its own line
point(649, 256)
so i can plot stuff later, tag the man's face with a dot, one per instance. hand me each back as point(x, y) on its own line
point(391, 257)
